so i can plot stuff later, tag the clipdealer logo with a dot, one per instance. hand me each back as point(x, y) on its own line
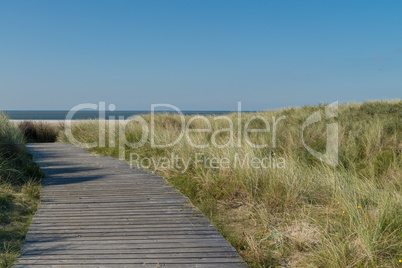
point(236, 136)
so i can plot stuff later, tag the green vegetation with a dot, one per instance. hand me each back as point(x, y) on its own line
point(19, 191)
point(297, 212)
point(306, 214)
point(39, 131)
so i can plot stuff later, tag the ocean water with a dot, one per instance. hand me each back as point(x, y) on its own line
point(82, 115)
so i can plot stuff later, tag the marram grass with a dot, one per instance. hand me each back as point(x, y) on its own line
point(304, 214)
point(19, 191)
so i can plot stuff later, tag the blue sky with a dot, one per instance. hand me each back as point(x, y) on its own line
point(198, 55)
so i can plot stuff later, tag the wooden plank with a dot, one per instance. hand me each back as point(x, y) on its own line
point(126, 226)
point(125, 245)
point(145, 211)
point(131, 255)
point(113, 222)
point(116, 233)
point(131, 243)
point(150, 218)
point(51, 238)
point(116, 213)
point(127, 251)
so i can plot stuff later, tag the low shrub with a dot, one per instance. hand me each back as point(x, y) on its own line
point(39, 131)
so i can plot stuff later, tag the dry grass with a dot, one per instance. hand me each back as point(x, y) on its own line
point(307, 214)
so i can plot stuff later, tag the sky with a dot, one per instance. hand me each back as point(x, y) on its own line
point(198, 54)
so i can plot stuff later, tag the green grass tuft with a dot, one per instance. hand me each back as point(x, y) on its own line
point(19, 191)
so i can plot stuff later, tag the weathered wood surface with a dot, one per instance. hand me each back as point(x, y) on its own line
point(97, 212)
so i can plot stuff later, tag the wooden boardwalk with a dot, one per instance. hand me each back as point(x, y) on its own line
point(97, 212)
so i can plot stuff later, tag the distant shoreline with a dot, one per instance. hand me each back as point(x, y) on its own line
point(93, 115)
point(50, 121)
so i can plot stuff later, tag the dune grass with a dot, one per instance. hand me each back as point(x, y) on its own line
point(19, 191)
point(304, 213)
point(39, 131)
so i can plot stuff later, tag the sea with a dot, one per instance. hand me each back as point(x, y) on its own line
point(91, 114)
